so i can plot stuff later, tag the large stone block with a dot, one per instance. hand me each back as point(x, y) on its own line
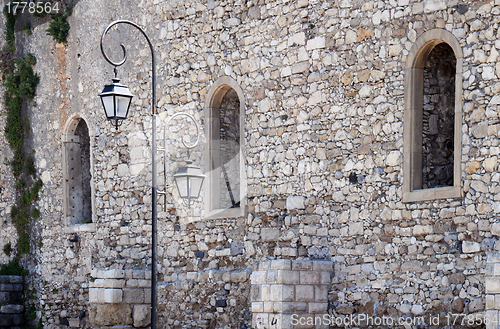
point(142, 315)
point(110, 314)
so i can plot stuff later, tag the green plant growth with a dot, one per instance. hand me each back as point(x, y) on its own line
point(7, 249)
point(27, 29)
point(20, 83)
point(12, 268)
point(10, 23)
point(59, 27)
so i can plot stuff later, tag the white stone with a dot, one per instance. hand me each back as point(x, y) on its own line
point(295, 202)
point(470, 247)
point(431, 6)
point(113, 295)
point(298, 39)
point(393, 158)
point(316, 43)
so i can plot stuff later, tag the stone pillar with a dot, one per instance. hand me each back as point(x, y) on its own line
point(11, 296)
point(492, 290)
point(284, 290)
point(120, 298)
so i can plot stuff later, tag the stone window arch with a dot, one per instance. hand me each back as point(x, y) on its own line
point(77, 173)
point(433, 118)
point(225, 189)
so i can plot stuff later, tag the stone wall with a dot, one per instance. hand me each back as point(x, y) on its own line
point(11, 299)
point(324, 87)
point(119, 297)
point(282, 288)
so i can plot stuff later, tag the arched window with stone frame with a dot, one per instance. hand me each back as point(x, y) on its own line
point(225, 189)
point(433, 118)
point(77, 173)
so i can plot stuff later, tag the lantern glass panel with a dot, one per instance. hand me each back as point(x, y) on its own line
point(182, 186)
point(122, 104)
point(195, 186)
point(107, 102)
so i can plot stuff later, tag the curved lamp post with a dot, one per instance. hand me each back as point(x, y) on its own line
point(116, 99)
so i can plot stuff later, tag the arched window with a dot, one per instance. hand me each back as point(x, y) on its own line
point(77, 175)
point(432, 118)
point(224, 113)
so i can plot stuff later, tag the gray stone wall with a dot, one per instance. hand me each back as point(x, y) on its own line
point(324, 96)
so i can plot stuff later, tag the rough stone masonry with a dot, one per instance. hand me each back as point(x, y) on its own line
point(327, 155)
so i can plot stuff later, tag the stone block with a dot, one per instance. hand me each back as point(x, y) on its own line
point(304, 293)
point(111, 283)
point(268, 307)
point(294, 307)
point(137, 274)
point(490, 302)
point(321, 293)
point(326, 277)
point(281, 264)
point(492, 285)
point(264, 265)
point(111, 274)
point(270, 234)
point(6, 320)
point(238, 277)
point(113, 295)
point(276, 292)
point(6, 287)
point(257, 307)
point(493, 257)
point(258, 277)
point(322, 265)
point(272, 276)
point(13, 309)
point(310, 277)
point(290, 277)
point(288, 293)
point(142, 315)
point(301, 264)
point(4, 278)
point(4, 296)
point(315, 308)
point(266, 292)
point(147, 294)
point(255, 293)
point(110, 314)
point(133, 295)
point(295, 202)
point(144, 283)
point(15, 279)
point(469, 247)
point(96, 295)
point(260, 320)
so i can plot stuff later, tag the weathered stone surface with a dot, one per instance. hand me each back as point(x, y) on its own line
point(110, 314)
point(142, 315)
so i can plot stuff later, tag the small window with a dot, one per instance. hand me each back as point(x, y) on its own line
point(433, 116)
point(77, 174)
point(225, 187)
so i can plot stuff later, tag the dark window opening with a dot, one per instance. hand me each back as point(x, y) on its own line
point(438, 118)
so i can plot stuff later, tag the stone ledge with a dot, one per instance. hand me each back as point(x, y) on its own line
point(11, 279)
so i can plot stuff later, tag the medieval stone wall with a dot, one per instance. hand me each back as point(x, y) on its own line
point(324, 86)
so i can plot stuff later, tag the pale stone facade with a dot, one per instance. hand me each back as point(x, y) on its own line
point(329, 118)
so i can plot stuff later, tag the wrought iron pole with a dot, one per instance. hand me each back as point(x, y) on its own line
point(154, 191)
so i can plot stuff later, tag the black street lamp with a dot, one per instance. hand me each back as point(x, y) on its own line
point(116, 99)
